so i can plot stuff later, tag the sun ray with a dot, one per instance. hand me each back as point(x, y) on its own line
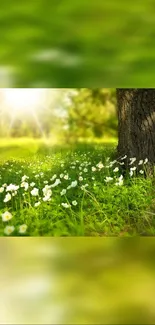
point(38, 124)
point(30, 106)
point(13, 119)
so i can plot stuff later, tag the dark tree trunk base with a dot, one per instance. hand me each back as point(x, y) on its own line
point(136, 124)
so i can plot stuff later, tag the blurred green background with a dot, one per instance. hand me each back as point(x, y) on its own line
point(77, 281)
point(74, 44)
point(32, 121)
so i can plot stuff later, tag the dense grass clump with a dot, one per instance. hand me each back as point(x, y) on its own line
point(75, 192)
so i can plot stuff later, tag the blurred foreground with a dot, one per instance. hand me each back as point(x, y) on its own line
point(77, 281)
point(58, 43)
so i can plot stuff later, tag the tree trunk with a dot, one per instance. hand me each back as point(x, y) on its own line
point(136, 123)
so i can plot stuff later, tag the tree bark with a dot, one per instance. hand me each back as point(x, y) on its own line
point(136, 123)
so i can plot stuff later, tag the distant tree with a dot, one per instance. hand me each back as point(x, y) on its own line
point(92, 113)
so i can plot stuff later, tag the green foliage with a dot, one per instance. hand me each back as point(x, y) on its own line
point(92, 113)
point(55, 43)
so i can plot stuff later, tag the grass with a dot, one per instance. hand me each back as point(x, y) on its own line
point(93, 205)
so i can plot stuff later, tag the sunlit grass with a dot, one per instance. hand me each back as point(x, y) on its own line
point(20, 148)
point(76, 190)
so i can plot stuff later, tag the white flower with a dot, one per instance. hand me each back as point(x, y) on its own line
point(65, 205)
point(80, 178)
point(61, 175)
point(100, 165)
point(35, 192)
point(47, 198)
point(7, 197)
point(12, 187)
point(141, 172)
point(57, 182)
point(25, 185)
point(32, 184)
point(93, 169)
point(140, 162)
point(112, 163)
point(85, 170)
point(146, 160)
point(124, 157)
point(24, 178)
point(14, 193)
point(133, 168)
point(37, 204)
point(132, 160)
point(66, 177)
point(84, 186)
point(22, 229)
point(120, 181)
point(6, 216)
point(108, 179)
point(116, 170)
point(47, 190)
point(53, 178)
point(9, 229)
point(131, 172)
point(1, 189)
point(74, 184)
point(74, 202)
point(63, 192)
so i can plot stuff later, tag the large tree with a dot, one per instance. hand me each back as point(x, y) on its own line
point(136, 123)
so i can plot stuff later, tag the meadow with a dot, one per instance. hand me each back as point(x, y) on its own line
point(49, 190)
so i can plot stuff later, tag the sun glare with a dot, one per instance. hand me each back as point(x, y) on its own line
point(23, 99)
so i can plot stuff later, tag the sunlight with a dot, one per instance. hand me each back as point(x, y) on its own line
point(23, 99)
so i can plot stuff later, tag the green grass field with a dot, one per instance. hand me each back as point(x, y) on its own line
point(50, 190)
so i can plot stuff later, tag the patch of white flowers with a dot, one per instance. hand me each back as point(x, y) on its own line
point(38, 190)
